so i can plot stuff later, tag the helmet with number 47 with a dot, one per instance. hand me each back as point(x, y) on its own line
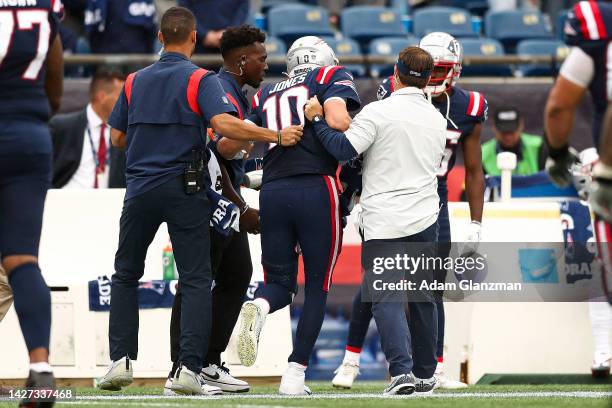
point(308, 53)
point(448, 56)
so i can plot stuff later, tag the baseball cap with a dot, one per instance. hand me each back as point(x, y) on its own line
point(507, 119)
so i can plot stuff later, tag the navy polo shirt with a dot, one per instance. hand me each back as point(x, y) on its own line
point(237, 97)
point(161, 126)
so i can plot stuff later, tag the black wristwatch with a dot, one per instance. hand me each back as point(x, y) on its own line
point(317, 118)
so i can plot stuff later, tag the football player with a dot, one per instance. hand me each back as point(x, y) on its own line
point(465, 112)
point(299, 204)
point(588, 30)
point(31, 78)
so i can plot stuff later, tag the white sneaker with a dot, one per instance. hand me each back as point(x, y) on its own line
point(445, 383)
point(345, 375)
point(168, 389)
point(601, 366)
point(120, 374)
point(186, 382)
point(219, 376)
point(251, 322)
point(293, 381)
point(400, 385)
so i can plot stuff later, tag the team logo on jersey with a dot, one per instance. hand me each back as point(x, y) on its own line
point(346, 82)
point(381, 92)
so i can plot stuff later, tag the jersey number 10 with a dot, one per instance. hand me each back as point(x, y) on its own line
point(26, 19)
point(277, 108)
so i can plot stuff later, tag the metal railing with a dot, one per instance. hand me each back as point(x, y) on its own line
point(216, 60)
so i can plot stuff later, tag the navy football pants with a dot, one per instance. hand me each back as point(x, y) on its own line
point(187, 217)
point(300, 212)
point(361, 313)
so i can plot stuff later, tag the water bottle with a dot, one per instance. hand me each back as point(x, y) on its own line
point(169, 268)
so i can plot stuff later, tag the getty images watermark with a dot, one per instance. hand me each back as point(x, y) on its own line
point(496, 272)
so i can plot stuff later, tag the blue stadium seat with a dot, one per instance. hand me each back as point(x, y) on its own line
point(541, 47)
point(293, 21)
point(483, 47)
point(388, 46)
point(560, 23)
point(268, 4)
point(276, 48)
point(347, 48)
point(455, 21)
point(510, 27)
point(364, 23)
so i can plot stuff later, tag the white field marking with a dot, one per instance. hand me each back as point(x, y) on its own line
point(551, 394)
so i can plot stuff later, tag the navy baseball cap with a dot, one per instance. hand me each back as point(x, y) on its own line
point(507, 119)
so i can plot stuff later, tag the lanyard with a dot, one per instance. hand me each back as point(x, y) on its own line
point(93, 149)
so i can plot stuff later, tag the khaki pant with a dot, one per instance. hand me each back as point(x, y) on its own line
point(6, 295)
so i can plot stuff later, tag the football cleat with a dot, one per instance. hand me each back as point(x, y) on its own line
point(251, 322)
point(40, 381)
point(345, 375)
point(445, 383)
point(400, 385)
point(293, 381)
point(120, 374)
point(219, 376)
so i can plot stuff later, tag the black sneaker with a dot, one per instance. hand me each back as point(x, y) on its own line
point(40, 381)
point(424, 387)
point(400, 385)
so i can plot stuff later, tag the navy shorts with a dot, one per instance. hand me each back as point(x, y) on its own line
point(24, 181)
point(300, 214)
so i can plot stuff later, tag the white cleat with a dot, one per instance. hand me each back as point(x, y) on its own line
point(293, 382)
point(219, 376)
point(445, 383)
point(186, 382)
point(168, 389)
point(345, 375)
point(120, 374)
point(251, 322)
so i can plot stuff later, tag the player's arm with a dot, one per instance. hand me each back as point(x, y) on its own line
point(474, 176)
point(601, 196)
point(575, 76)
point(118, 138)
point(234, 128)
point(118, 121)
point(336, 115)
point(229, 149)
point(249, 217)
point(54, 79)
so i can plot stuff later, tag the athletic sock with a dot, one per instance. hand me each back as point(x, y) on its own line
point(351, 357)
point(297, 366)
point(33, 305)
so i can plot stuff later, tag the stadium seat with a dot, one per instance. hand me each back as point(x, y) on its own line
point(292, 21)
point(510, 27)
point(455, 21)
point(347, 48)
point(276, 48)
point(388, 46)
point(364, 23)
point(483, 47)
point(560, 23)
point(541, 47)
point(268, 4)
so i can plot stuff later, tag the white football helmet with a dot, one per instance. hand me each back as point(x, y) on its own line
point(448, 56)
point(582, 172)
point(308, 53)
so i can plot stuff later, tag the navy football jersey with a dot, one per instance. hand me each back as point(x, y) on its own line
point(467, 109)
point(277, 106)
point(589, 27)
point(27, 30)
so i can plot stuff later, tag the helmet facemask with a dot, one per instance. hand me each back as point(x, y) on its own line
point(443, 77)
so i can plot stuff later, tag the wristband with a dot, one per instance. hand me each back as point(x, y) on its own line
point(279, 138)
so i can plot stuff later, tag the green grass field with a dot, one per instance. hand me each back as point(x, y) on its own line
point(365, 394)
